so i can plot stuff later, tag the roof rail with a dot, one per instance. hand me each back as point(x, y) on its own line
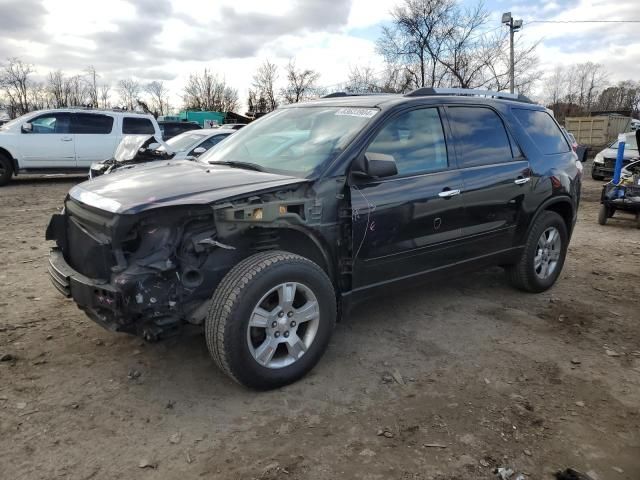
point(353, 94)
point(425, 91)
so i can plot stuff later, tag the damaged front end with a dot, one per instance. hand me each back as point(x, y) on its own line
point(132, 150)
point(140, 274)
point(149, 272)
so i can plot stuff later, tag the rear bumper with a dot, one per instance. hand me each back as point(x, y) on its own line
point(99, 300)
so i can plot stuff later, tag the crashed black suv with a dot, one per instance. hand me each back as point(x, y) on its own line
point(288, 222)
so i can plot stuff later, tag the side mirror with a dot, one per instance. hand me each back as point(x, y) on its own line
point(199, 150)
point(27, 128)
point(376, 165)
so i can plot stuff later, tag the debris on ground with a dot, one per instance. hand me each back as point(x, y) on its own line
point(504, 473)
point(146, 463)
point(571, 474)
point(383, 432)
point(6, 357)
point(133, 374)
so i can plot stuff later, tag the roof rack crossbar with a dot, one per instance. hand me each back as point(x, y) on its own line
point(425, 91)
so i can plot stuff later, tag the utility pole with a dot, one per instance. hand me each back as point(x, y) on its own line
point(514, 26)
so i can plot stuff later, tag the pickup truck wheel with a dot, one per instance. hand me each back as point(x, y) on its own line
point(6, 170)
point(543, 256)
point(271, 319)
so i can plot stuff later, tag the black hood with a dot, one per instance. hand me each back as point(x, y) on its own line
point(163, 184)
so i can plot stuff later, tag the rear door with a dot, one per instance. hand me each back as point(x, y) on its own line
point(496, 179)
point(94, 137)
point(410, 223)
point(50, 142)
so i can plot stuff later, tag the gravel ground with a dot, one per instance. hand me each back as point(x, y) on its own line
point(434, 382)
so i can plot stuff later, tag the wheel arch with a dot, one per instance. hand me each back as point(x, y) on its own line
point(6, 153)
point(562, 205)
point(304, 243)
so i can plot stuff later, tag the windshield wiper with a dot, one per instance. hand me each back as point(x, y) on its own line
point(245, 165)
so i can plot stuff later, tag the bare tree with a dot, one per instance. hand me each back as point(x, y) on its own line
point(76, 91)
point(56, 88)
point(129, 90)
point(92, 85)
point(206, 92)
point(416, 38)
point(301, 83)
point(15, 81)
point(624, 96)
point(104, 94)
point(439, 43)
point(264, 83)
point(159, 97)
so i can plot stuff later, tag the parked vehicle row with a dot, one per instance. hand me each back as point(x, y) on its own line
point(66, 140)
point(276, 232)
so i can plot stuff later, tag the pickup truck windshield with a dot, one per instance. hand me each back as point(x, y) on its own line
point(294, 140)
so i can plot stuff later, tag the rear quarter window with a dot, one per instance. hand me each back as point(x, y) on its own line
point(137, 126)
point(543, 130)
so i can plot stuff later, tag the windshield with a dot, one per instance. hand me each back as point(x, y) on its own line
point(297, 140)
point(630, 144)
point(22, 119)
point(183, 142)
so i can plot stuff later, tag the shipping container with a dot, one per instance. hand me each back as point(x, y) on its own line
point(597, 131)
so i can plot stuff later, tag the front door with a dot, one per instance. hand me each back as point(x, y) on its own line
point(49, 144)
point(410, 223)
point(496, 179)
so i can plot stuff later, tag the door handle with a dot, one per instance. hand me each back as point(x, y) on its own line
point(521, 180)
point(66, 139)
point(449, 193)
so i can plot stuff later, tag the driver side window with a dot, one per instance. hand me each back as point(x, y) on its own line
point(416, 141)
point(51, 123)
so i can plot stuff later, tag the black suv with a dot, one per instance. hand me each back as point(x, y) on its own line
point(277, 231)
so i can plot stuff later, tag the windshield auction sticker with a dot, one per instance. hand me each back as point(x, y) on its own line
point(357, 112)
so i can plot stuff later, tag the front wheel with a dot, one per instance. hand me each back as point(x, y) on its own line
point(6, 170)
point(543, 257)
point(271, 319)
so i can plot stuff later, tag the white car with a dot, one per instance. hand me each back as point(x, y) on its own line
point(139, 149)
point(192, 144)
point(66, 140)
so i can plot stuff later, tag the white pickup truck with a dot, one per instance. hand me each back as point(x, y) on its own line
point(66, 140)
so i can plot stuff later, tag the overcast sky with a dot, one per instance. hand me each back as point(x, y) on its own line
point(168, 39)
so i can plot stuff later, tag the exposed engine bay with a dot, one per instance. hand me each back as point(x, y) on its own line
point(133, 150)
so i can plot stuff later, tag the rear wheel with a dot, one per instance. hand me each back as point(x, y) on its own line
point(603, 215)
point(271, 319)
point(543, 257)
point(6, 170)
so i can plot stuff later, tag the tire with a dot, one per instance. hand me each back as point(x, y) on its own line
point(524, 274)
point(603, 215)
point(598, 178)
point(249, 287)
point(6, 170)
point(638, 220)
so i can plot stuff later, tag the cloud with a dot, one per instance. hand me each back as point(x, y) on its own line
point(21, 18)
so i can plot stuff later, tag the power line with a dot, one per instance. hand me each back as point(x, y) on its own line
point(582, 21)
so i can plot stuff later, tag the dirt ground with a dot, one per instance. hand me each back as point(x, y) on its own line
point(436, 382)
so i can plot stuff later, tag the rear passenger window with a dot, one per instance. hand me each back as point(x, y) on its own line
point(91, 123)
point(543, 130)
point(481, 138)
point(137, 126)
point(416, 141)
